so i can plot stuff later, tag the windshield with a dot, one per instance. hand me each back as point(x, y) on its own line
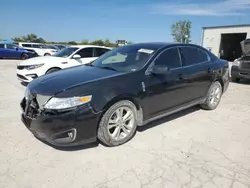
point(65, 52)
point(124, 59)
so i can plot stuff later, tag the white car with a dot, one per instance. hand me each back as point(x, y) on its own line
point(40, 49)
point(71, 56)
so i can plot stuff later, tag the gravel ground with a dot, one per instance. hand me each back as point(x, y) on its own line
point(193, 148)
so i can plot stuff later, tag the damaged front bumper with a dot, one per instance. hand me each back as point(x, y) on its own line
point(61, 128)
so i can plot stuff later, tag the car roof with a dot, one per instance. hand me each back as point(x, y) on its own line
point(87, 46)
point(158, 45)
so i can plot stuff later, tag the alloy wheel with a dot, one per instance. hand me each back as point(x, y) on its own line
point(121, 123)
point(215, 95)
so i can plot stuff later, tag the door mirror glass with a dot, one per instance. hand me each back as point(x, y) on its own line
point(76, 56)
point(160, 69)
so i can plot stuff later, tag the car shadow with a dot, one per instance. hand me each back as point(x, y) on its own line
point(243, 81)
point(70, 148)
point(168, 118)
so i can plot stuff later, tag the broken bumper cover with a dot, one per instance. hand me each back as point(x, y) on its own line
point(71, 128)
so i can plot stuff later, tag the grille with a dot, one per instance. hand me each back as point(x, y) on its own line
point(22, 77)
point(245, 65)
point(30, 106)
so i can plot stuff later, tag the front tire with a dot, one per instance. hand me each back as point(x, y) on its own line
point(213, 96)
point(47, 54)
point(24, 56)
point(118, 124)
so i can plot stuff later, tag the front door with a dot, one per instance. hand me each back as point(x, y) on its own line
point(164, 92)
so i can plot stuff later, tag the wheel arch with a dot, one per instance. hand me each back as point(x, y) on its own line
point(53, 68)
point(130, 98)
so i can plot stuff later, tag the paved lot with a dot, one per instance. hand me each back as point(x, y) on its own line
point(194, 148)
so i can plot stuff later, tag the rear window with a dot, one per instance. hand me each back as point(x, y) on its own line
point(1, 45)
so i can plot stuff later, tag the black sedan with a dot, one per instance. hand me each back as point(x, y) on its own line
point(241, 66)
point(126, 87)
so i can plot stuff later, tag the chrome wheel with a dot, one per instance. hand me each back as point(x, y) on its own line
point(121, 123)
point(215, 95)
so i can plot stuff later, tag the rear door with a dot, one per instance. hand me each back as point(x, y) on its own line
point(198, 72)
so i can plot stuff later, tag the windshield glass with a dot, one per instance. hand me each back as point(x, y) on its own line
point(124, 59)
point(65, 52)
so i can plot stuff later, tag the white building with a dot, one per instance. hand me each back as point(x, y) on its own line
point(224, 41)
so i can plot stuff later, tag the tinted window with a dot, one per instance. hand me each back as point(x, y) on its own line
point(1, 45)
point(203, 56)
point(170, 58)
point(86, 52)
point(10, 46)
point(38, 46)
point(100, 51)
point(192, 56)
point(26, 45)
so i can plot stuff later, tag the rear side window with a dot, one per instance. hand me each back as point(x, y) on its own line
point(192, 56)
point(100, 51)
point(170, 58)
point(1, 45)
point(26, 45)
point(85, 52)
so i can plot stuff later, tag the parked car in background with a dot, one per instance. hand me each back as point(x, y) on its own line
point(15, 52)
point(50, 46)
point(241, 66)
point(60, 46)
point(40, 49)
point(126, 87)
point(68, 57)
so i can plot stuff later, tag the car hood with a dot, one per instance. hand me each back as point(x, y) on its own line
point(53, 83)
point(245, 46)
point(43, 59)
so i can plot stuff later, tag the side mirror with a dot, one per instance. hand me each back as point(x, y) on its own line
point(16, 49)
point(160, 69)
point(76, 56)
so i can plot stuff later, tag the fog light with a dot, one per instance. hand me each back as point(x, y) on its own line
point(64, 137)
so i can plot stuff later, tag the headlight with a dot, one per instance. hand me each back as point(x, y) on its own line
point(62, 103)
point(236, 62)
point(34, 66)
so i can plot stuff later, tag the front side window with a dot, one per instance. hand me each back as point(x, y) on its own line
point(100, 51)
point(192, 55)
point(124, 58)
point(10, 46)
point(169, 58)
point(65, 52)
point(85, 52)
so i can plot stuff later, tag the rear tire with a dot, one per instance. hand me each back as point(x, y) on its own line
point(52, 70)
point(24, 56)
point(118, 124)
point(213, 96)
